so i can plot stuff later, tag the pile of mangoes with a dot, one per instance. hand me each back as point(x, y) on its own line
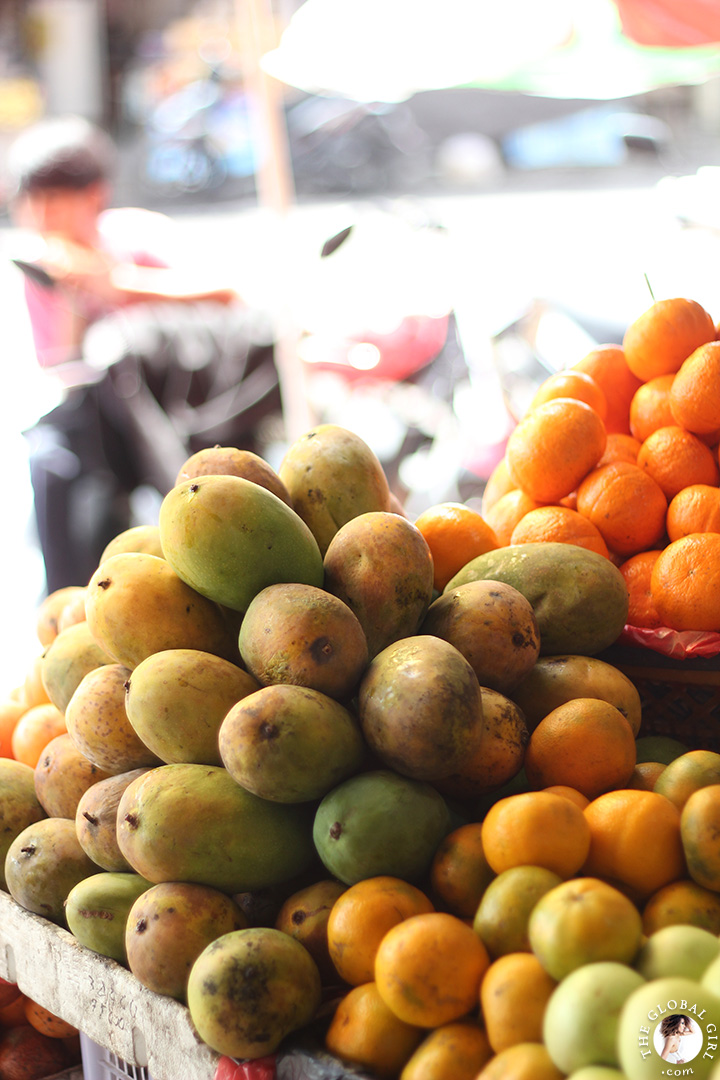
point(265, 699)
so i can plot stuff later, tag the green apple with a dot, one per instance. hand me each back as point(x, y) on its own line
point(640, 1041)
point(677, 950)
point(597, 1072)
point(581, 1016)
point(659, 748)
point(711, 976)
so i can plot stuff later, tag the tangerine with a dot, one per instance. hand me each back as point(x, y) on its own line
point(695, 392)
point(536, 828)
point(685, 583)
point(608, 367)
point(637, 572)
point(675, 458)
point(554, 447)
point(455, 534)
point(626, 505)
point(571, 384)
point(620, 447)
point(513, 995)
point(364, 1031)
point(695, 509)
point(586, 744)
point(662, 337)
point(635, 841)
point(561, 525)
point(454, 1051)
point(650, 407)
point(505, 514)
point(360, 918)
point(459, 872)
point(428, 969)
point(34, 730)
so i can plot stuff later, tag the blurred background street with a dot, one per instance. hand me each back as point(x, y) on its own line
point(538, 213)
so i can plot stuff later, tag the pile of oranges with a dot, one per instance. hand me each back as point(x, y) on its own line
point(34, 1043)
point(618, 454)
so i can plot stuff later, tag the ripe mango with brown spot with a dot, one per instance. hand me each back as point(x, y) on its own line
point(137, 605)
point(380, 565)
point(332, 476)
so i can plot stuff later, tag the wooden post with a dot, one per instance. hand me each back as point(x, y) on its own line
point(276, 194)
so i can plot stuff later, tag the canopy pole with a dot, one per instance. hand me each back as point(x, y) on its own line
point(276, 193)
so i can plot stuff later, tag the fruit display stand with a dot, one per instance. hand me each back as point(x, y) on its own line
point(127, 1031)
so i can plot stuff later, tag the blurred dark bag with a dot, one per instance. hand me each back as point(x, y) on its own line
point(156, 384)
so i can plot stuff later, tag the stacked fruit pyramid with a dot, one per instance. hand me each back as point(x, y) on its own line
point(329, 776)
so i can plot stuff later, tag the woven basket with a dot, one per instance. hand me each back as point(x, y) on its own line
point(680, 698)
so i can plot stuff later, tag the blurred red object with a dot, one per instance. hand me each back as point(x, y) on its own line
point(670, 23)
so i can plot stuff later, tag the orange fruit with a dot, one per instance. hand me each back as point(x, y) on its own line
point(571, 384)
point(586, 744)
point(536, 828)
point(34, 730)
point(675, 458)
point(524, 1061)
point(685, 583)
point(700, 834)
point(568, 793)
point(50, 610)
point(455, 534)
point(10, 713)
point(650, 407)
point(561, 525)
point(497, 484)
point(46, 1022)
point(505, 514)
point(455, 1051)
point(361, 917)
point(582, 921)
point(554, 447)
point(637, 571)
point(664, 335)
point(695, 392)
point(626, 505)
point(645, 774)
point(609, 369)
point(364, 1031)
point(635, 840)
point(695, 509)
point(501, 920)
point(688, 773)
point(620, 447)
point(513, 995)
point(34, 692)
point(459, 872)
point(13, 1014)
point(683, 903)
point(428, 969)
point(9, 992)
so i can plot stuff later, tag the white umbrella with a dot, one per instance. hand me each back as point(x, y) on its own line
point(386, 50)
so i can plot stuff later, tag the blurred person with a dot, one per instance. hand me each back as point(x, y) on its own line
point(88, 264)
point(100, 258)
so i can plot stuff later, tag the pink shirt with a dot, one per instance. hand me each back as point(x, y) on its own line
point(129, 234)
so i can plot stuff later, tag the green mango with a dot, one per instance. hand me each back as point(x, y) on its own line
point(19, 805)
point(228, 538)
point(580, 598)
point(97, 908)
point(177, 699)
point(380, 823)
point(188, 822)
point(43, 863)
